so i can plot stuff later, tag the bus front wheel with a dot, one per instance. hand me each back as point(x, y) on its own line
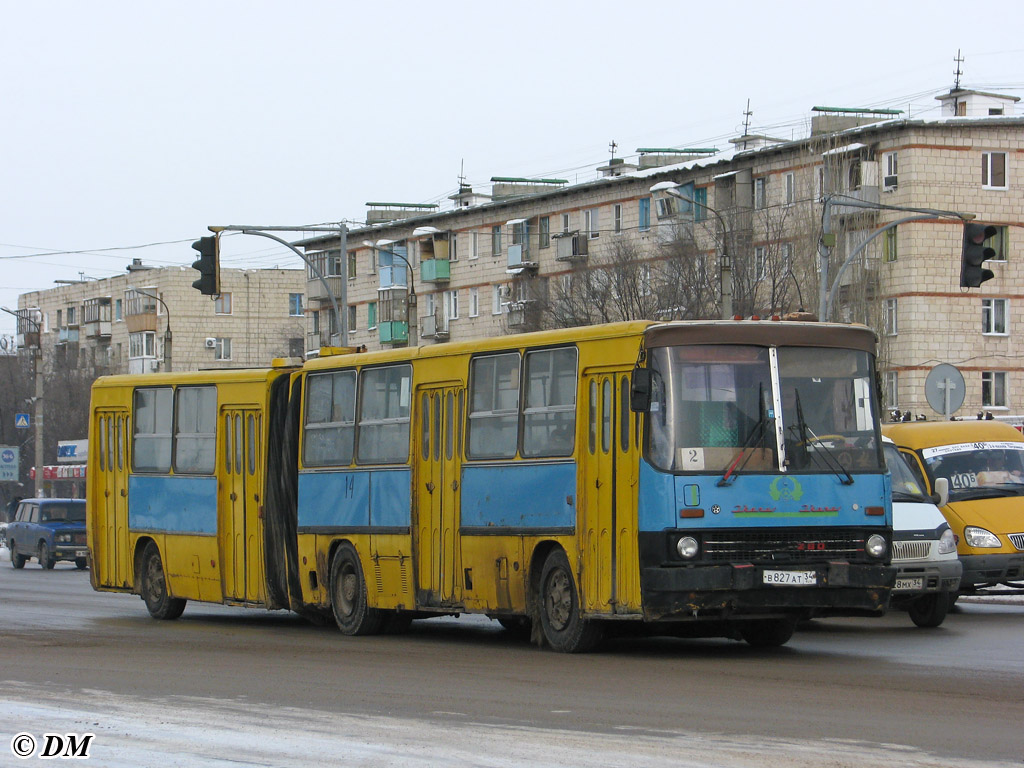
point(352, 613)
point(158, 601)
point(564, 628)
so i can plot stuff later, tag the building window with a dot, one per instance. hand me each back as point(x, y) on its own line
point(617, 218)
point(644, 208)
point(889, 247)
point(664, 207)
point(496, 240)
point(700, 208)
point(453, 247)
point(760, 262)
point(142, 344)
point(295, 305)
point(496, 297)
point(889, 321)
point(854, 174)
point(590, 223)
point(892, 386)
point(474, 302)
point(544, 235)
point(760, 193)
point(474, 245)
point(999, 242)
point(222, 304)
point(790, 188)
point(993, 170)
point(352, 324)
point(451, 300)
point(786, 251)
point(566, 223)
point(993, 316)
point(352, 264)
point(993, 389)
point(223, 349)
point(118, 310)
point(371, 315)
point(890, 179)
point(140, 302)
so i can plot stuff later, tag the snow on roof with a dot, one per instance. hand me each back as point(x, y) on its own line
point(844, 149)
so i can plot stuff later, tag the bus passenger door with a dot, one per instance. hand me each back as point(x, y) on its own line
point(111, 536)
point(606, 536)
point(241, 537)
point(436, 528)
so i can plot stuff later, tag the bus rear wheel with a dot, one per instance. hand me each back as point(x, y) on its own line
point(352, 613)
point(767, 633)
point(158, 601)
point(564, 628)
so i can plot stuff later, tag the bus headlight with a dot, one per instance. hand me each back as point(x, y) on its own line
point(947, 542)
point(979, 537)
point(687, 547)
point(876, 545)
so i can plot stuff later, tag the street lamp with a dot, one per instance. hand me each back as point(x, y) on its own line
point(725, 263)
point(167, 333)
point(411, 301)
point(37, 372)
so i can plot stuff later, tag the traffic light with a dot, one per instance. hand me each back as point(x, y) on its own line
point(208, 265)
point(975, 253)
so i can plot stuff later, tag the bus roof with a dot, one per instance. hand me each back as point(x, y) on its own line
point(214, 375)
point(927, 434)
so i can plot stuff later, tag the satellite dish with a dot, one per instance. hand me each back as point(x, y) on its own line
point(944, 389)
point(3, 343)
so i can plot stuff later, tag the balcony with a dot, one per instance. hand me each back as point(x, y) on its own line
point(523, 315)
point(393, 332)
point(435, 270)
point(67, 335)
point(570, 246)
point(97, 329)
point(316, 292)
point(519, 259)
point(393, 277)
point(434, 326)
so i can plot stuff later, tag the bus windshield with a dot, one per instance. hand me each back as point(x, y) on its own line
point(978, 470)
point(713, 403)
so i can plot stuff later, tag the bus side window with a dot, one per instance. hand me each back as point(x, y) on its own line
point(624, 413)
point(549, 412)
point(493, 406)
point(329, 435)
point(384, 415)
point(151, 445)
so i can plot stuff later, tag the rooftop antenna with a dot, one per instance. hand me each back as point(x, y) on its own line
point(746, 119)
point(613, 146)
point(462, 175)
point(959, 60)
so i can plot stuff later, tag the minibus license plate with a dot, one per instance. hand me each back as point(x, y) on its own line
point(908, 584)
point(790, 578)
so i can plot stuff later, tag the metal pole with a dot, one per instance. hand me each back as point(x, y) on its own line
point(37, 374)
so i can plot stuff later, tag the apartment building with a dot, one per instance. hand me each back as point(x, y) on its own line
point(152, 319)
point(749, 222)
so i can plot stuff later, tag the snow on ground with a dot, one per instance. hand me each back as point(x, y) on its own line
point(186, 732)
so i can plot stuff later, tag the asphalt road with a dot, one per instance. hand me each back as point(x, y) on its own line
point(224, 686)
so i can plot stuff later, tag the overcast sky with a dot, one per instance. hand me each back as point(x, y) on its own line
point(125, 124)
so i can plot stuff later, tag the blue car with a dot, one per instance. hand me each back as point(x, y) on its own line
point(49, 530)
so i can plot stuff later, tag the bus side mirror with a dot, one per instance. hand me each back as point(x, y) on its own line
point(941, 491)
point(640, 390)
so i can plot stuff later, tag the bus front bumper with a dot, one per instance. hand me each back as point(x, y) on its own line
point(830, 589)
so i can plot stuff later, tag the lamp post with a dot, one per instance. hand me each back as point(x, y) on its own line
point(411, 301)
point(37, 372)
point(671, 189)
point(167, 332)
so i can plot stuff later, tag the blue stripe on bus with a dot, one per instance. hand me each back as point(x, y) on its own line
point(356, 499)
point(519, 495)
point(172, 503)
point(760, 500)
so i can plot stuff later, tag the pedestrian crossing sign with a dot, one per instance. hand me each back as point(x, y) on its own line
point(21, 421)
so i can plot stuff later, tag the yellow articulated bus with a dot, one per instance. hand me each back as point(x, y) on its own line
point(704, 479)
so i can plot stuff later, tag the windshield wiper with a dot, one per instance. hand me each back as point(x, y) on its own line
point(732, 470)
point(807, 435)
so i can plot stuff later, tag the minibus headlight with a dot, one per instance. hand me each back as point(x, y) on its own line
point(947, 542)
point(687, 547)
point(876, 545)
point(979, 537)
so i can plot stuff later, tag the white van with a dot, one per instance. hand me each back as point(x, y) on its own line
point(924, 547)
